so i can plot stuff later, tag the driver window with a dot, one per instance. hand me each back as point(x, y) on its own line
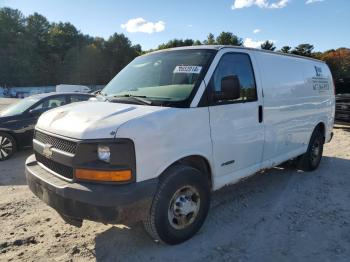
point(239, 65)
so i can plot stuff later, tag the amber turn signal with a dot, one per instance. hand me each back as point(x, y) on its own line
point(103, 175)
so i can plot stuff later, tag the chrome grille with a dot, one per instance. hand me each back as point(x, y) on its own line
point(58, 168)
point(59, 143)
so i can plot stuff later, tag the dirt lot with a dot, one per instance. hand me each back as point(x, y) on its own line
point(278, 215)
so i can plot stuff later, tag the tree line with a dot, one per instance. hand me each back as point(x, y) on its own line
point(35, 52)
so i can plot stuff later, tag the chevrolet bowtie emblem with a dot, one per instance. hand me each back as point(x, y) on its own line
point(47, 151)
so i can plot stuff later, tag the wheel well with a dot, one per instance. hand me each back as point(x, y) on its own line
point(197, 162)
point(322, 128)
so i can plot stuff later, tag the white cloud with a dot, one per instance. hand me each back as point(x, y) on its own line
point(238, 4)
point(141, 25)
point(256, 31)
point(249, 42)
point(279, 4)
point(313, 1)
point(242, 3)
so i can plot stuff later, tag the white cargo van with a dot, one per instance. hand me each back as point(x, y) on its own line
point(175, 125)
point(72, 88)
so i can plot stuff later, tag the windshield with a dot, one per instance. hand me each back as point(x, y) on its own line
point(19, 107)
point(168, 76)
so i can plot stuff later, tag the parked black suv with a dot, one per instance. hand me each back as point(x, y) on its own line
point(342, 109)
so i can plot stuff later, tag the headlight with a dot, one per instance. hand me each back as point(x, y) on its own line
point(104, 153)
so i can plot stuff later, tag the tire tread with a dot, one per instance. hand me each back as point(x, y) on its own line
point(304, 160)
point(150, 220)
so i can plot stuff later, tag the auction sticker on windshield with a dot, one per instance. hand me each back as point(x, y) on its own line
point(187, 69)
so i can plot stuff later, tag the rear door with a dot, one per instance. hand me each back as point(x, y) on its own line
point(237, 129)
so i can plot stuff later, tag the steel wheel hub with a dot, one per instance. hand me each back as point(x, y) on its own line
point(5, 147)
point(184, 207)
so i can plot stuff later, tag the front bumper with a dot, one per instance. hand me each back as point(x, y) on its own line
point(104, 203)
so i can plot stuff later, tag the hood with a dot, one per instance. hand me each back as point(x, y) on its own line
point(6, 120)
point(91, 119)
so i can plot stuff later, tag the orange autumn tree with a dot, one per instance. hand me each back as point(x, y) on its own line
point(338, 61)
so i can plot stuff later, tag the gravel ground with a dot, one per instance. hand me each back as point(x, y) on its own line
point(280, 214)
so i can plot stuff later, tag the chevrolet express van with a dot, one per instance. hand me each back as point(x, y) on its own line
point(175, 125)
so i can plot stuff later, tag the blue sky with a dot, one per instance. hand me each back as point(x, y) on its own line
point(324, 23)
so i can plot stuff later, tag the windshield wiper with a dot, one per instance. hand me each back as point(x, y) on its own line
point(139, 99)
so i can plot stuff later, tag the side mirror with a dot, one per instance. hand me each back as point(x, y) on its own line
point(230, 88)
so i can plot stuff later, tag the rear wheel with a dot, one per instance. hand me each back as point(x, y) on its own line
point(180, 205)
point(312, 158)
point(7, 146)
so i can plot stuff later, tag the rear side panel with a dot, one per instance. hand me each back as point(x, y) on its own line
point(293, 103)
point(319, 80)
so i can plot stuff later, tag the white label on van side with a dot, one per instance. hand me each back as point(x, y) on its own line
point(187, 69)
point(320, 84)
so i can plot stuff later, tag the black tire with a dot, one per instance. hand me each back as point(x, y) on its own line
point(7, 146)
point(164, 225)
point(312, 158)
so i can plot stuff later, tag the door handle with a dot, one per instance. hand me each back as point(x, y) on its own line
point(260, 114)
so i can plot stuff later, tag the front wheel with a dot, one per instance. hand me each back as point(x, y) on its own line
point(7, 146)
point(312, 158)
point(180, 205)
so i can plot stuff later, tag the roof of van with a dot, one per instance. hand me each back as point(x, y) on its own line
point(218, 47)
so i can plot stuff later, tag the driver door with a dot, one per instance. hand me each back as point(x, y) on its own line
point(237, 130)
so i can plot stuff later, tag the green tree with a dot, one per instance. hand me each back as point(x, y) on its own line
point(90, 66)
point(63, 43)
point(12, 46)
point(177, 43)
point(36, 38)
point(228, 38)
point(62, 37)
point(210, 40)
point(286, 49)
point(118, 52)
point(303, 50)
point(137, 48)
point(268, 45)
